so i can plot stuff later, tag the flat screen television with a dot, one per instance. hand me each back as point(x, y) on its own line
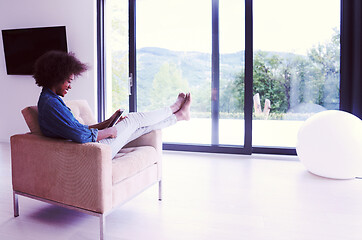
point(22, 47)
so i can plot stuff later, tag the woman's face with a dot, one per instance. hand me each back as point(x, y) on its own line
point(63, 88)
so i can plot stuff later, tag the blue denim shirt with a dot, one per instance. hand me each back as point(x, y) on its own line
point(56, 120)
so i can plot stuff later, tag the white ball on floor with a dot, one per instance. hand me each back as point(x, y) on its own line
point(329, 144)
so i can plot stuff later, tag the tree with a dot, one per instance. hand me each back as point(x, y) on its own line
point(326, 61)
point(119, 81)
point(289, 79)
point(167, 83)
point(270, 80)
point(228, 102)
point(117, 42)
point(201, 98)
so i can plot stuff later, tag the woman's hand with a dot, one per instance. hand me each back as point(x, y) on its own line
point(105, 124)
point(114, 115)
point(121, 118)
point(112, 132)
point(107, 133)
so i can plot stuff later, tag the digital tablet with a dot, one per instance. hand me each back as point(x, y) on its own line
point(120, 114)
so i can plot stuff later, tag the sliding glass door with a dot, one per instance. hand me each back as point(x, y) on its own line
point(232, 72)
point(296, 66)
point(117, 55)
point(193, 46)
point(166, 47)
point(256, 69)
point(174, 55)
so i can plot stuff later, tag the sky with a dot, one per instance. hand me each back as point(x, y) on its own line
point(279, 25)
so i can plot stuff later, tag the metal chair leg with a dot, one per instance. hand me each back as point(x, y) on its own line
point(102, 224)
point(16, 204)
point(160, 190)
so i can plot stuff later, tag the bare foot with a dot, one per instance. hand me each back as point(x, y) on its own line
point(178, 104)
point(184, 112)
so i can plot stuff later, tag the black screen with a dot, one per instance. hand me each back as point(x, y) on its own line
point(22, 47)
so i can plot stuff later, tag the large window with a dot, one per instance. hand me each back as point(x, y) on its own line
point(232, 61)
point(296, 66)
point(174, 55)
point(256, 69)
point(117, 55)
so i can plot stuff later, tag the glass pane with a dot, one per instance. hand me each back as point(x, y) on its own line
point(174, 55)
point(116, 27)
point(232, 44)
point(296, 66)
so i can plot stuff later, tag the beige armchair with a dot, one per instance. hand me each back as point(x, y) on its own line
point(82, 177)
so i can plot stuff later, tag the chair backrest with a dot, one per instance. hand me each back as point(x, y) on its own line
point(80, 110)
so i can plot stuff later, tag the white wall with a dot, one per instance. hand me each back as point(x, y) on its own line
point(17, 92)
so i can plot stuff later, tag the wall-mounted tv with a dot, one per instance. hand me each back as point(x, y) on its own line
point(22, 47)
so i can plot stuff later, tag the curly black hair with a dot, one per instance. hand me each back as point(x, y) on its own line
point(54, 67)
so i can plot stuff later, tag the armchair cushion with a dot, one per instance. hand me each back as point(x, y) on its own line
point(79, 108)
point(130, 161)
point(81, 111)
point(30, 115)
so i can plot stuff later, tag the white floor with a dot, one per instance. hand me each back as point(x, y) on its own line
point(206, 197)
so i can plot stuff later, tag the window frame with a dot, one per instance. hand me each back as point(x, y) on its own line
point(215, 147)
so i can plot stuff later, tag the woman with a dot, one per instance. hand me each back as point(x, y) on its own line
point(55, 71)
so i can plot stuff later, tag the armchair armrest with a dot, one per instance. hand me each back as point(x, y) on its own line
point(153, 139)
point(75, 174)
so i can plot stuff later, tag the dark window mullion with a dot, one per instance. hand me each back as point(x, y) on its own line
point(215, 81)
point(101, 99)
point(248, 101)
point(132, 54)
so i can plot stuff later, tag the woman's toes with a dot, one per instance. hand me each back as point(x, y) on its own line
point(179, 102)
point(184, 113)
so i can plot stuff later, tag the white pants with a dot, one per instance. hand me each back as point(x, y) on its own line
point(137, 124)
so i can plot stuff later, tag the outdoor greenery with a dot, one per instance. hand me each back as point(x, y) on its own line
point(295, 84)
point(289, 80)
